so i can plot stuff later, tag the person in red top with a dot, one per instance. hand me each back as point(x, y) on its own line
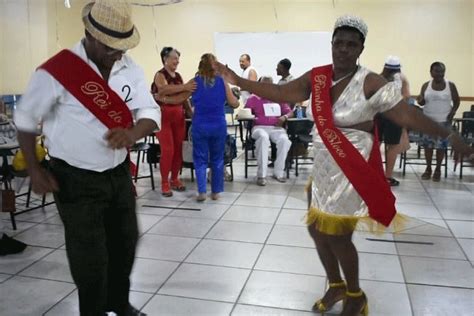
point(167, 89)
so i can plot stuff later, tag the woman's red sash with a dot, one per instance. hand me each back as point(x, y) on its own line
point(367, 177)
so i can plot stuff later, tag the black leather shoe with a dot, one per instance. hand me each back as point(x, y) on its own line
point(10, 246)
point(393, 182)
point(132, 311)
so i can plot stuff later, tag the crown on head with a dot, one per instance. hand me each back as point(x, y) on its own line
point(352, 21)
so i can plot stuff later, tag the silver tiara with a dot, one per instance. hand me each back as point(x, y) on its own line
point(352, 21)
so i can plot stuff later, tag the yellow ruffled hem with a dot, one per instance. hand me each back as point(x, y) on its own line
point(331, 224)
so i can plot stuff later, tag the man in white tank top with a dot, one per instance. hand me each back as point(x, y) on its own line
point(440, 100)
point(249, 73)
point(394, 137)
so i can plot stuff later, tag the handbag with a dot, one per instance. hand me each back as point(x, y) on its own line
point(188, 148)
point(153, 153)
point(19, 161)
point(7, 201)
point(230, 149)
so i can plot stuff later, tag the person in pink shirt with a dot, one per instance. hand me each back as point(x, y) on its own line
point(268, 126)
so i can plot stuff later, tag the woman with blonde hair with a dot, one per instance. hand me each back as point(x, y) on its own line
point(209, 126)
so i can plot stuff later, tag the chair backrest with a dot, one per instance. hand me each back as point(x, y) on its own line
point(468, 114)
point(467, 127)
point(11, 98)
point(300, 127)
point(228, 109)
point(10, 101)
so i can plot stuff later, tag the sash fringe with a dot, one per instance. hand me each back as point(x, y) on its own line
point(331, 224)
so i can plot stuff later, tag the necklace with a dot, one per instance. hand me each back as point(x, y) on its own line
point(335, 82)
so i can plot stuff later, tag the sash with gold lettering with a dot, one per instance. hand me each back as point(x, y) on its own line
point(367, 177)
point(90, 90)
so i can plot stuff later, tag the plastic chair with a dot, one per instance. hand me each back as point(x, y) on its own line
point(415, 137)
point(467, 133)
point(143, 148)
point(248, 144)
point(299, 132)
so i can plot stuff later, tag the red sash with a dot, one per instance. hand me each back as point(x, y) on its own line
point(89, 89)
point(367, 178)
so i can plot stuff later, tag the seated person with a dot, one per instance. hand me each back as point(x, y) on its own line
point(268, 126)
point(3, 111)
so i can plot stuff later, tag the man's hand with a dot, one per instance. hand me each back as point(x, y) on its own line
point(281, 121)
point(190, 86)
point(230, 76)
point(461, 148)
point(118, 138)
point(450, 117)
point(236, 92)
point(42, 181)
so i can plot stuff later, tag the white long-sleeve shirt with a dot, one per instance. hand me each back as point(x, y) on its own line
point(72, 132)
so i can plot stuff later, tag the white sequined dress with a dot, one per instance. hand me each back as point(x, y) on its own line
point(332, 192)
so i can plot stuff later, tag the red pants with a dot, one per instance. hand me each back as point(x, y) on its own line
point(171, 136)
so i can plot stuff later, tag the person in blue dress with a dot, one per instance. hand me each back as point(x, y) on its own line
point(209, 126)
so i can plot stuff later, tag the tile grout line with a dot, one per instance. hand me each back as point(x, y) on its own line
point(252, 270)
point(399, 258)
point(189, 253)
point(443, 218)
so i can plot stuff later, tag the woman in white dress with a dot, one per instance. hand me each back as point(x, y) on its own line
point(348, 186)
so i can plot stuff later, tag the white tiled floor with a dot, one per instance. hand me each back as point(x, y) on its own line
point(249, 253)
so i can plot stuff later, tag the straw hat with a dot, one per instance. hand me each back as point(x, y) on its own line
point(110, 22)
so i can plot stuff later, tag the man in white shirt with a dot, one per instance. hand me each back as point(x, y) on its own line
point(89, 170)
point(283, 70)
point(248, 72)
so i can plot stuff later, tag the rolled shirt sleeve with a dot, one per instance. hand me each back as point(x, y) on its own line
point(251, 102)
point(285, 108)
point(149, 113)
point(39, 98)
point(143, 102)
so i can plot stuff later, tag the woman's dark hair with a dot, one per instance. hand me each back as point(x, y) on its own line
point(166, 51)
point(437, 64)
point(349, 28)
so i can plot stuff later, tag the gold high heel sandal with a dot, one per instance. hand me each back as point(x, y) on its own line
point(321, 307)
point(364, 309)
